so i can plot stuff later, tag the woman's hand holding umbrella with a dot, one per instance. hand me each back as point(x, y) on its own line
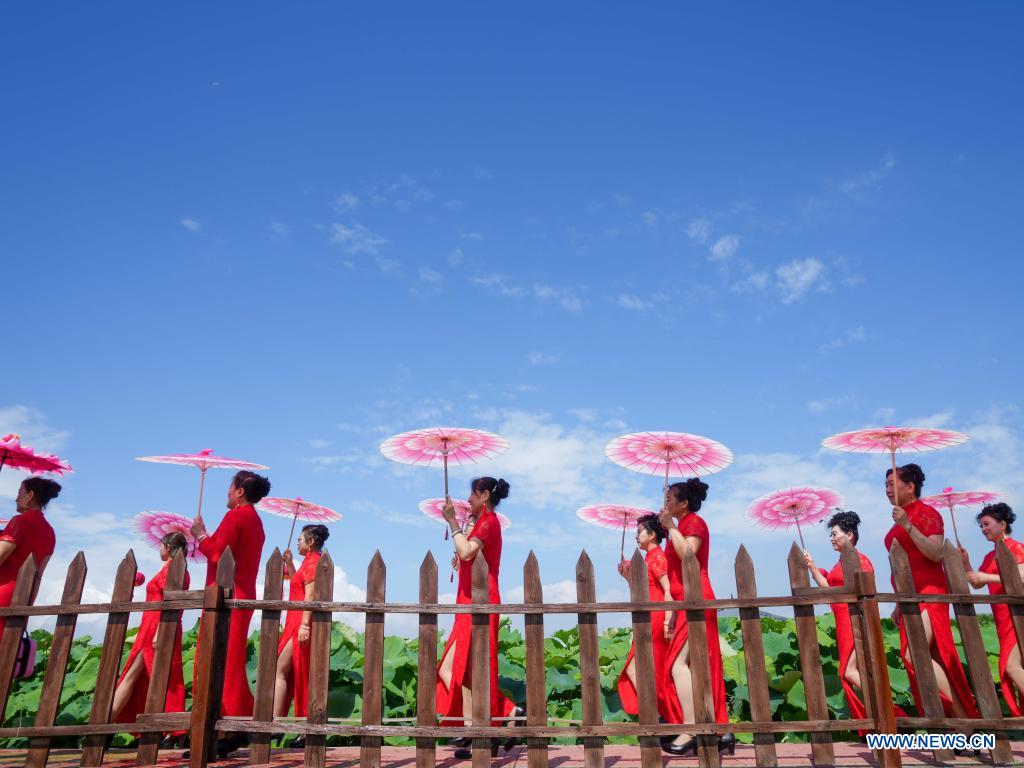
point(198, 529)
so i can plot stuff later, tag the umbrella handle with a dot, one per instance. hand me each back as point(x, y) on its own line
point(202, 482)
point(3, 459)
point(952, 517)
point(801, 534)
point(622, 545)
point(446, 474)
point(292, 531)
point(895, 489)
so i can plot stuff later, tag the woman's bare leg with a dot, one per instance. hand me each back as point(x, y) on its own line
point(631, 673)
point(683, 681)
point(445, 674)
point(1014, 669)
point(941, 679)
point(127, 686)
point(285, 662)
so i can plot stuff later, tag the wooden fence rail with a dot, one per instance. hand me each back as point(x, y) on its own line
point(216, 604)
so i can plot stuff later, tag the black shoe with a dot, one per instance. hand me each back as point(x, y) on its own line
point(511, 741)
point(174, 742)
point(688, 747)
point(299, 743)
point(466, 753)
point(461, 741)
point(727, 743)
point(230, 744)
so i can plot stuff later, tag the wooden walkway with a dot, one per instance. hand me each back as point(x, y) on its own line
point(616, 756)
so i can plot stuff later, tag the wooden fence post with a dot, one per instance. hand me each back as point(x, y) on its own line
point(753, 647)
point(156, 696)
point(874, 674)
point(974, 650)
point(266, 669)
point(850, 562)
point(700, 660)
point(57, 662)
point(211, 656)
point(536, 676)
point(13, 628)
point(1009, 574)
point(95, 745)
point(590, 668)
point(480, 661)
point(643, 658)
point(917, 642)
point(373, 662)
point(426, 664)
point(319, 662)
point(822, 751)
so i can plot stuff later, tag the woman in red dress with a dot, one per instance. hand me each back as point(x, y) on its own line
point(919, 530)
point(996, 522)
point(133, 685)
point(687, 530)
point(293, 647)
point(843, 533)
point(242, 530)
point(649, 535)
point(28, 533)
point(454, 681)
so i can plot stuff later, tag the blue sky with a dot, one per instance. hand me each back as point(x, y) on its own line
point(286, 233)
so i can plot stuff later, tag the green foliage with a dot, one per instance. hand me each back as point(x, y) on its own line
point(786, 688)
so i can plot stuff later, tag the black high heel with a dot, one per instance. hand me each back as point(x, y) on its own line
point(174, 742)
point(231, 744)
point(688, 747)
point(466, 753)
point(727, 743)
point(511, 741)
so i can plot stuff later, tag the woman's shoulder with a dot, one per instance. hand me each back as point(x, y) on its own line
point(693, 525)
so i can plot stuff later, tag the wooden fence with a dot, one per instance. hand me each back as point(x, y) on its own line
point(216, 603)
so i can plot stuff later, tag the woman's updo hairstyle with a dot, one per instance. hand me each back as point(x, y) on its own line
point(652, 524)
point(847, 522)
point(45, 490)
point(692, 491)
point(1000, 511)
point(497, 488)
point(316, 535)
point(175, 542)
point(910, 473)
point(255, 487)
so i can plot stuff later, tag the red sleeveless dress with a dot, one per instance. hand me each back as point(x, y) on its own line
point(930, 579)
point(449, 701)
point(143, 644)
point(657, 566)
point(298, 683)
point(693, 525)
point(1004, 626)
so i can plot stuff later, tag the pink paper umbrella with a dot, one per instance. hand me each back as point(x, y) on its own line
point(203, 461)
point(18, 456)
point(615, 516)
point(441, 445)
point(298, 509)
point(950, 499)
point(434, 508)
point(892, 439)
point(669, 453)
point(153, 525)
point(792, 506)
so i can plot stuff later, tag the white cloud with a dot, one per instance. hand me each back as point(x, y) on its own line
point(862, 182)
point(191, 225)
point(755, 282)
point(431, 276)
point(454, 257)
point(725, 247)
point(482, 173)
point(471, 236)
point(699, 231)
point(831, 403)
point(357, 238)
point(499, 284)
point(853, 336)
point(795, 278)
point(542, 358)
point(650, 218)
point(279, 230)
point(318, 442)
point(632, 301)
point(566, 298)
point(346, 202)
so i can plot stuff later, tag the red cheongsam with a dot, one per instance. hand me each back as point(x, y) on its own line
point(930, 579)
point(143, 645)
point(694, 525)
point(31, 534)
point(1004, 626)
point(657, 566)
point(242, 530)
point(298, 683)
point(449, 701)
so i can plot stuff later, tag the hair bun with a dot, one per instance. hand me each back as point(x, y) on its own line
point(698, 487)
point(501, 489)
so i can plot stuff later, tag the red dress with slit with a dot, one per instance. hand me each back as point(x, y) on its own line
point(298, 682)
point(449, 700)
point(657, 566)
point(31, 534)
point(242, 530)
point(1004, 626)
point(693, 525)
point(143, 645)
point(930, 579)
